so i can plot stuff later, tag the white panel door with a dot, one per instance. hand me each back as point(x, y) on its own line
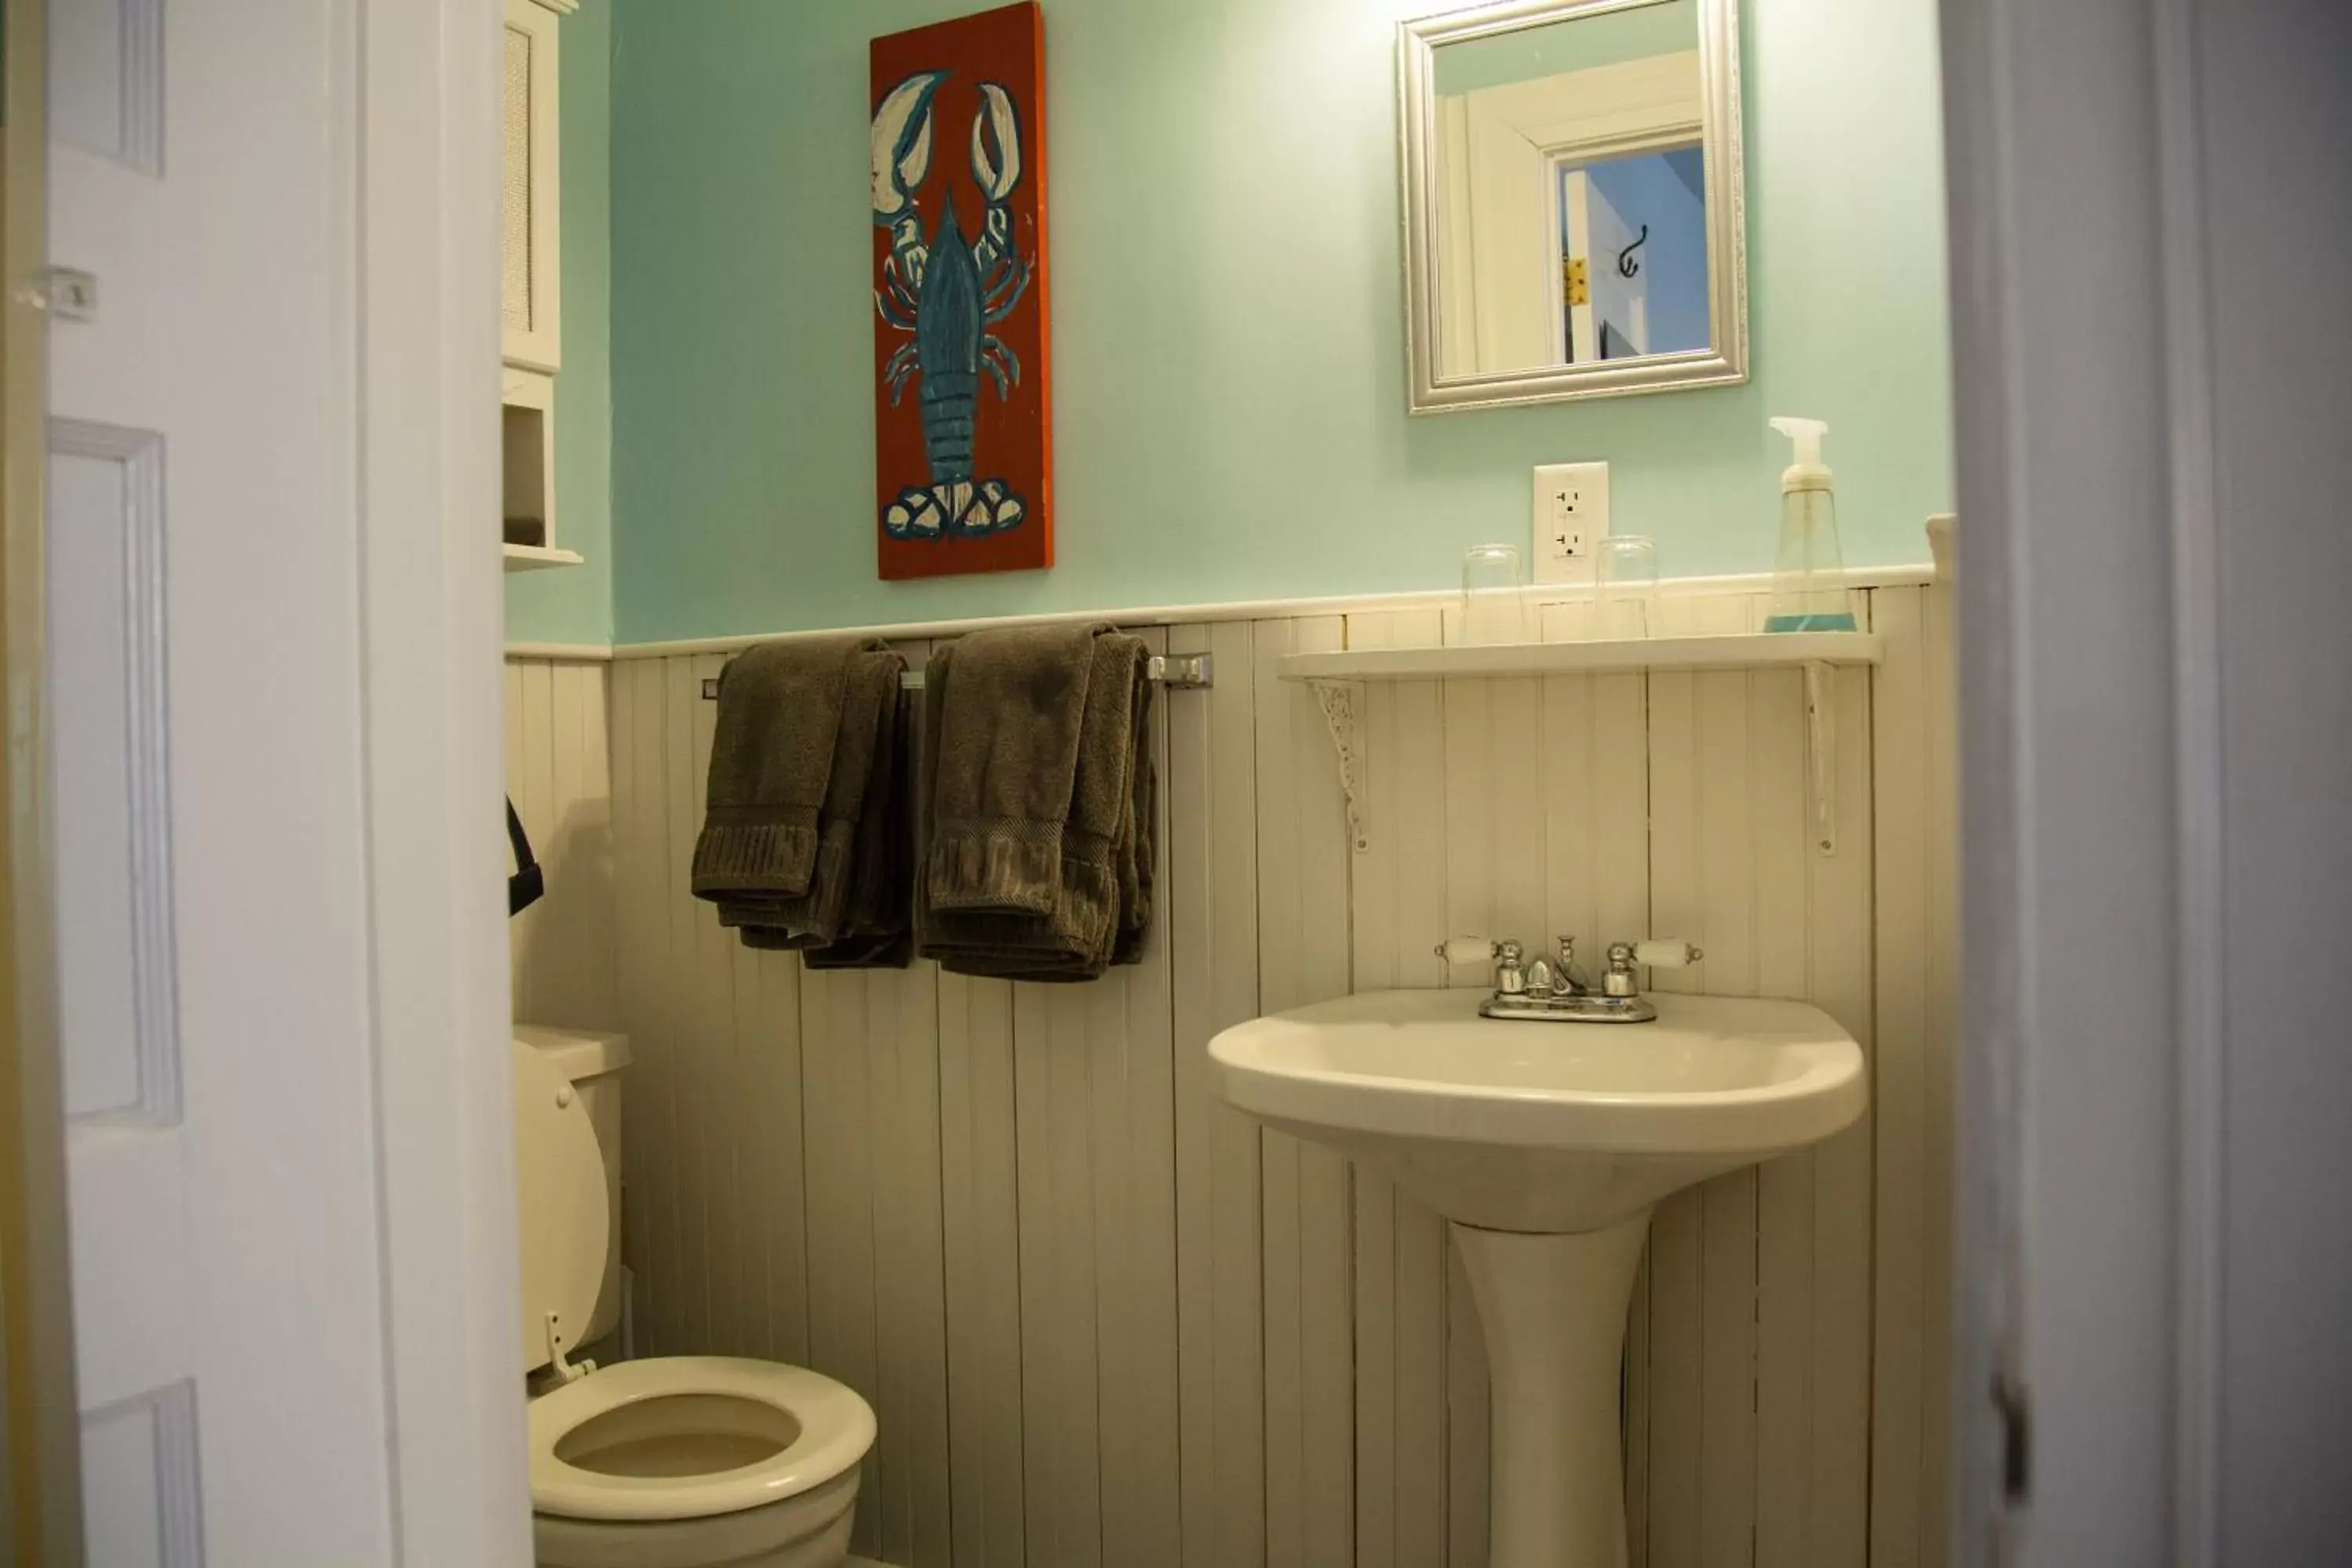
point(206, 772)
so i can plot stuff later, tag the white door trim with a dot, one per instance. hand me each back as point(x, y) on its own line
point(2155, 747)
point(2198, 749)
point(40, 1497)
point(434, 621)
point(2070, 1066)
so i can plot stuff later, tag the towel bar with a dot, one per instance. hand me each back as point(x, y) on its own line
point(1176, 672)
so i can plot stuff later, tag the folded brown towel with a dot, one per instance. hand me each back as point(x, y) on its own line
point(1139, 846)
point(976, 908)
point(772, 756)
point(862, 771)
point(1006, 760)
point(877, 930)
point(895, 950)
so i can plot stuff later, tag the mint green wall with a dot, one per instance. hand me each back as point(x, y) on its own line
point(1228, 327)
point(574, 603)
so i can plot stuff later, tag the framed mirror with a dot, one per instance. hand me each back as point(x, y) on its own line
point(1575, 216)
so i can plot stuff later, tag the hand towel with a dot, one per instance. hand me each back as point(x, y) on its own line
point(772, 756)
point(877, 930)
point(1006, 763)
point(851, 832)
point(1140, 842)
point(1097, 904)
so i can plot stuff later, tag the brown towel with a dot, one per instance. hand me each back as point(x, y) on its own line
point(895, 950)
point(877, 931)
point(1097, 906)
point(862, 766)
point(1004, 766)
point(772, 758)
point(1140, 845)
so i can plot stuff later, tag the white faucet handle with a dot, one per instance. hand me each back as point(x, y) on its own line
point(1466, 950)
point(1665, 954)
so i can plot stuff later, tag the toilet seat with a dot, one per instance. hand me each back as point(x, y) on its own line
point(836, 1428)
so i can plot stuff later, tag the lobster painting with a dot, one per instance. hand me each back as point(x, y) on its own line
point(960, 312)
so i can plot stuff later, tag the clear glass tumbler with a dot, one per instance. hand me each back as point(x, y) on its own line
point(1625, 603)
point(1494, 595)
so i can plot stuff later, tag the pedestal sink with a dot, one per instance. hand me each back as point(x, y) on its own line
point(1548, 1145)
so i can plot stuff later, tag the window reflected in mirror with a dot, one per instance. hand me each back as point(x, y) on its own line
point(1640, 225)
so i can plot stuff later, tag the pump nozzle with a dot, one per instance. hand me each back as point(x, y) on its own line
point(1806, 472)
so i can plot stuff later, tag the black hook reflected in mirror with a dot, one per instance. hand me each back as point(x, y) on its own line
point(1627, 266)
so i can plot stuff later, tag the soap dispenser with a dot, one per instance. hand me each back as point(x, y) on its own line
point(1809, 590)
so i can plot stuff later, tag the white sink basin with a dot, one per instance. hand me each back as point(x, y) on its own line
point(1547, 1144)
point(1545, 1126)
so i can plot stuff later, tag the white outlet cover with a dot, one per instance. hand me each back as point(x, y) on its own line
point(1570, 512)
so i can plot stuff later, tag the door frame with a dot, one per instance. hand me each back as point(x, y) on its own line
point(418, 185)
point(2069, 1353)
point(434, 601)
point(2129, 1102)
point(40, 1499)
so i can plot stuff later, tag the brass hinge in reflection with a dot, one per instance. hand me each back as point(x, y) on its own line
point(1579, 293)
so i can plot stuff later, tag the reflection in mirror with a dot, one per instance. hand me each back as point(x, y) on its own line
point(1559, 160)
point(1641, 225)
point(1557, 173)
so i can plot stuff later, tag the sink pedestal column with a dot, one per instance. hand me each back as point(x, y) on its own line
point(1553, 1308)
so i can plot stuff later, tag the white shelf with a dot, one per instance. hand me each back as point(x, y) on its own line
point(538, 558)
point(1750, 650)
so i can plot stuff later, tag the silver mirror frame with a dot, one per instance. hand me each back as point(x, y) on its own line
point(1723, 363)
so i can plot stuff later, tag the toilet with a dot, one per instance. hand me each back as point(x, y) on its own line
point(669, 1462)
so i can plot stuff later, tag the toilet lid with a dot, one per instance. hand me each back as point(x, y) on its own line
point(566, 1216)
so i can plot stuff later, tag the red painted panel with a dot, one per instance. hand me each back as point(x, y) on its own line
point(964, 405)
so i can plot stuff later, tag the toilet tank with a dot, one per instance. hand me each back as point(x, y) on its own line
point(592, 1060)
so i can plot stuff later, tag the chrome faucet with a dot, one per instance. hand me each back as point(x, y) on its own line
point(1555, 990)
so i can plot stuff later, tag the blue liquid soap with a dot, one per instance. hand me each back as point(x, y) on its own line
point(1812, 621)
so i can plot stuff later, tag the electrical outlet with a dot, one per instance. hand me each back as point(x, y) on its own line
point(1571, 510)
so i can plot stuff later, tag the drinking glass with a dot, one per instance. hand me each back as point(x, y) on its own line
point(1626, 599)
point(1494, 599)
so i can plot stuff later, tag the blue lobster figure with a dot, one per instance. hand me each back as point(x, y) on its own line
point(947, 292)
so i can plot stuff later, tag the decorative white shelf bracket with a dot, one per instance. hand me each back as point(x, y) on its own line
point(1340, 700)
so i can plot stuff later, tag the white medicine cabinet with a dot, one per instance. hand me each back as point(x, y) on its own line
point(531, 283)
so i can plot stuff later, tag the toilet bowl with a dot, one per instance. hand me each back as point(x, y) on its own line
point(672, 1461)
point(695, 1462)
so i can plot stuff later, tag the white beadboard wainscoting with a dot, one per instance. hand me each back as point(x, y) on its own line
point(559, 777)
point(1103, 1319)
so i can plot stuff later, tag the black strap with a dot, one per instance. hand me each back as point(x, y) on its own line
point(524, 888)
